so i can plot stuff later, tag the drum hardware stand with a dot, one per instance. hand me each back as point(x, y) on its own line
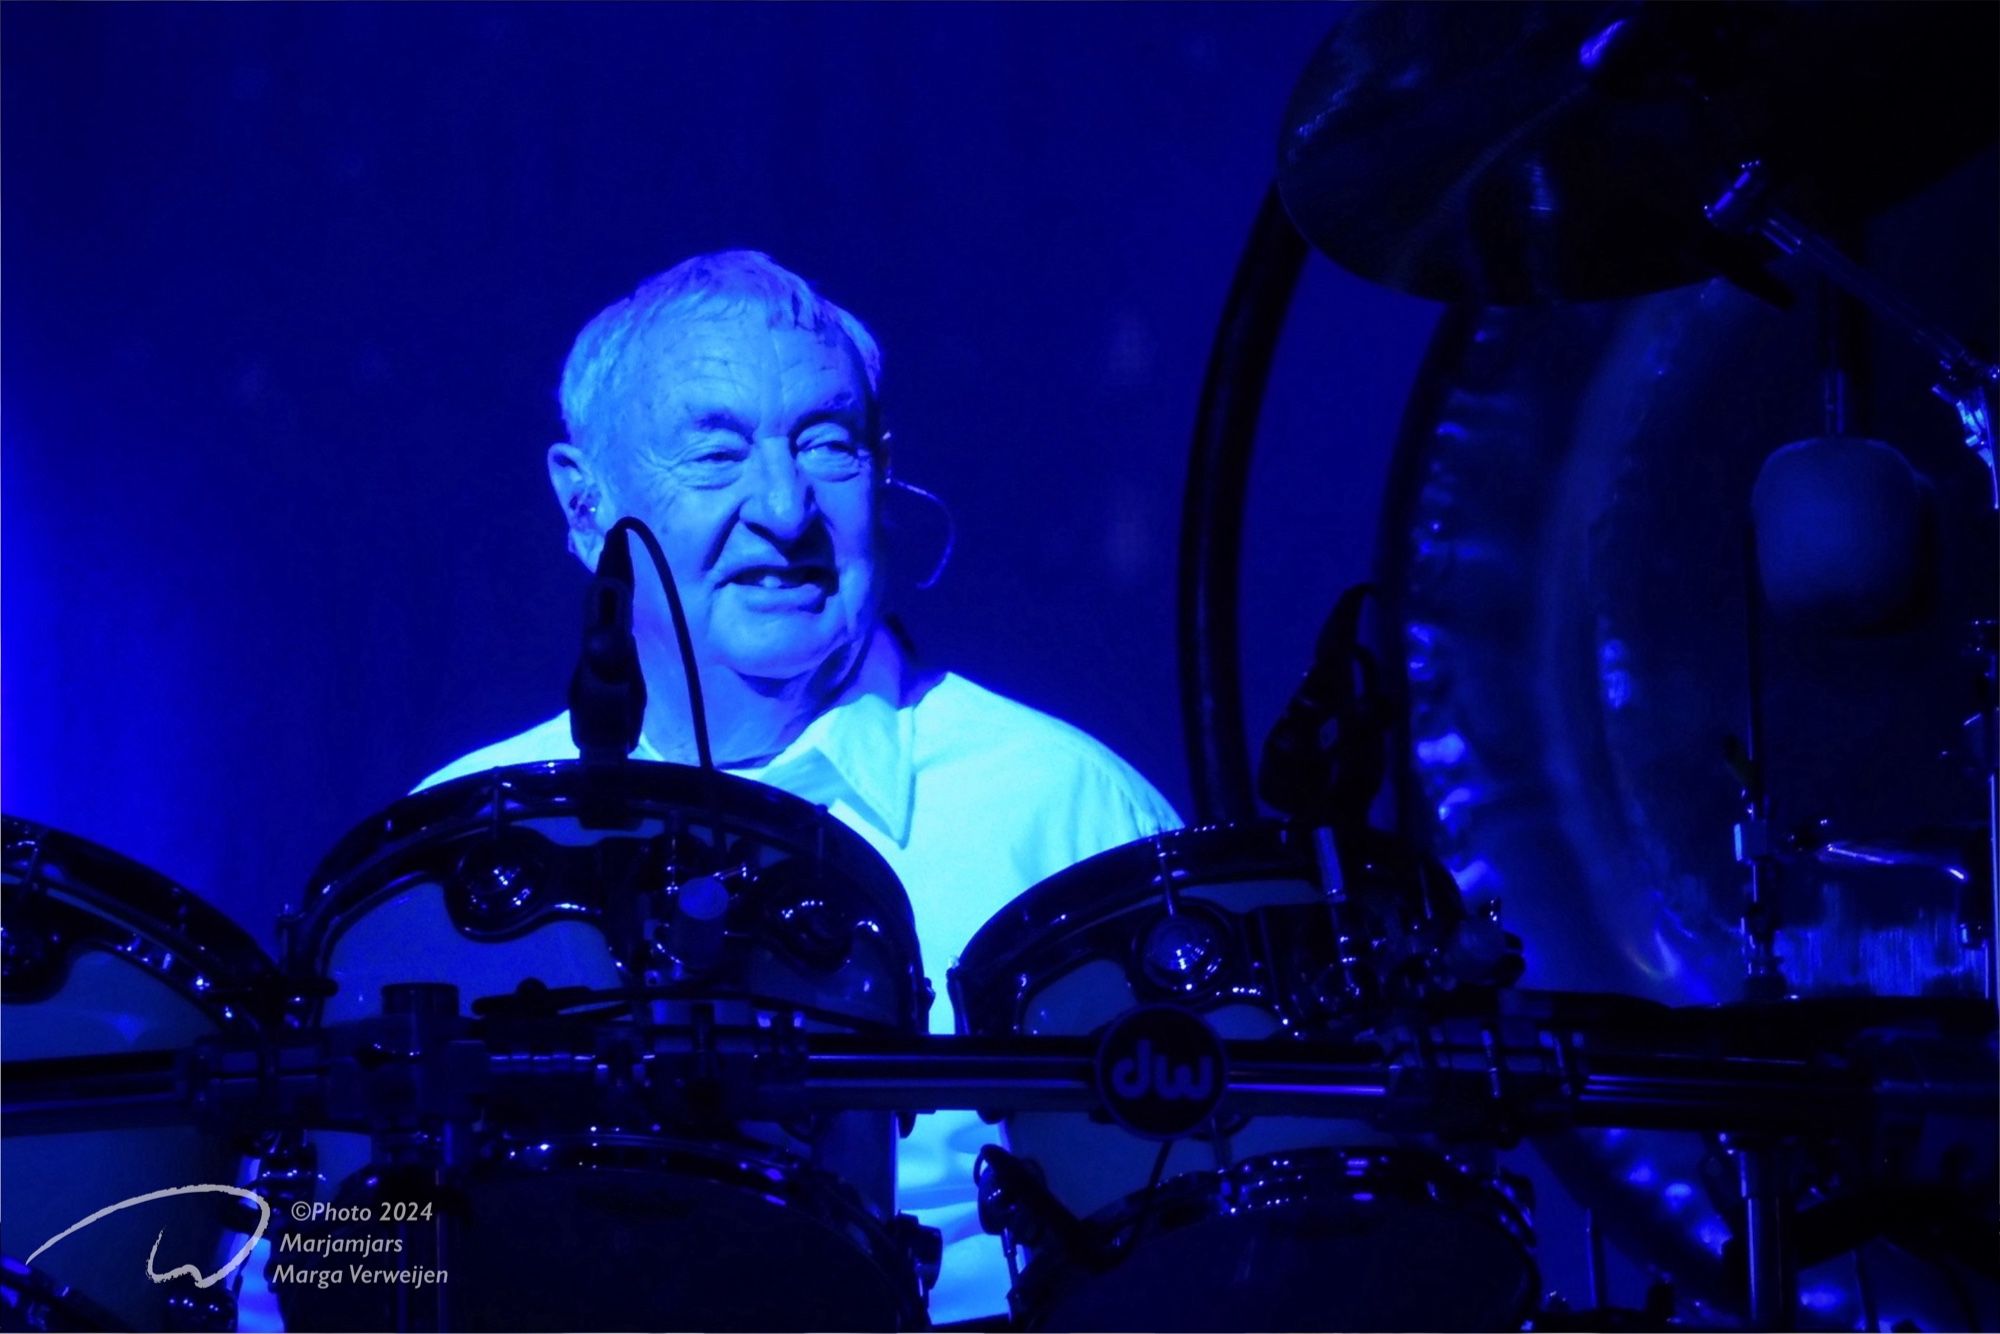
point(1222, 1145)
point(1627, 1069)
point(1332, 886)
point(1348, 948)
point(1760, 1165)
point(607, 698)
point(1979, 925)
point(702, 1084)
point(1164, 878)
point(1756, 845)
point(287, 1172)
point(432, 1146)
point(1593, 1239)
point(1208, 630)
point(1965, 382)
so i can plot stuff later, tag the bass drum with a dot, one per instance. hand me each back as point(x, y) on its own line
point(1564, 564)
point(529, 888)
point(1272, 1222)
point(103, 956)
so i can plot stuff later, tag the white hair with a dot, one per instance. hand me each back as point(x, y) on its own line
point(601, 361)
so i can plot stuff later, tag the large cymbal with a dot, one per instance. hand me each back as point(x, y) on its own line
point(1565, 576)
point(1517, 153)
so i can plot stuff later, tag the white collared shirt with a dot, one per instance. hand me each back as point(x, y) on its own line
point(971, 798)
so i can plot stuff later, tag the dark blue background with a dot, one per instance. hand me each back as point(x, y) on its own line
point(287, 290)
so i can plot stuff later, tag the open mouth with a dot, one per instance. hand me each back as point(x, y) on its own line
point(782, 578)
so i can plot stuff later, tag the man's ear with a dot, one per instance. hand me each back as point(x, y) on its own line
point(582, 501)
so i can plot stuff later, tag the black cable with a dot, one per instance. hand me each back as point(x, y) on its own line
point(1148, 1206)
point(697, 710)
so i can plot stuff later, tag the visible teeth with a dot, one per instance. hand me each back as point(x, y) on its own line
point(776, 578)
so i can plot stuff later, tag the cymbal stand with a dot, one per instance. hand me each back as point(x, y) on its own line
point(1760, 1179)
point(1756, 847)
point(432, 1147)
point(1984, 727)
point(1967, 383)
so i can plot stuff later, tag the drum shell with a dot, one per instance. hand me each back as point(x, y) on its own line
point(1091, 1164)
point(1063, 960)
point(123, 961)
point(640, 1230)
point(1329, 1226)
point(389, 908)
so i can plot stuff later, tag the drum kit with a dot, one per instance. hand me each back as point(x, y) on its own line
point(612, 1044)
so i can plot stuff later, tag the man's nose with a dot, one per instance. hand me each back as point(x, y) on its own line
point(780, 499)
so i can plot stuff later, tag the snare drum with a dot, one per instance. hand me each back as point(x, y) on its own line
point(709, 890)
point(1272, 1222)
point(104, 956)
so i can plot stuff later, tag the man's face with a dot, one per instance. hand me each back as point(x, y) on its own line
point(746, 449)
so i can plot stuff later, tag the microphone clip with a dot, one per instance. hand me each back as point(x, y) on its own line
point(607, 691)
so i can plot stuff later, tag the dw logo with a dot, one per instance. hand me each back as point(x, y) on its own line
point(1161, 1071)
point(1144, 1072)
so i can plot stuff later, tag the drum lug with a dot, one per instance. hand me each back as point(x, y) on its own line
point(1182, 953)
point(814, 931)
point(692, 942)
point(496, 886)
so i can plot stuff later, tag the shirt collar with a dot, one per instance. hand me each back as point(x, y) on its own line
point(859, 748)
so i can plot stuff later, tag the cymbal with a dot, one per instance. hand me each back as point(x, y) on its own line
point(1564, 579)
point(1512, 154)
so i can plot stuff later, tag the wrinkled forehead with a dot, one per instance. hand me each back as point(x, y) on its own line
point(744, 361)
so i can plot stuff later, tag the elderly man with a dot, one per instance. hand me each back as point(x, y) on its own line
point(736, 411)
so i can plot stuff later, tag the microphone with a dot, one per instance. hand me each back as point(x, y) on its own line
point(1300, 772)
point(1015, 1201)
point(1845, 535)
point(607, 692)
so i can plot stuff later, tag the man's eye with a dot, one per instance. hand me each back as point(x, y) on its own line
point(834, 459)
point(717, 457)
point(837, 454)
